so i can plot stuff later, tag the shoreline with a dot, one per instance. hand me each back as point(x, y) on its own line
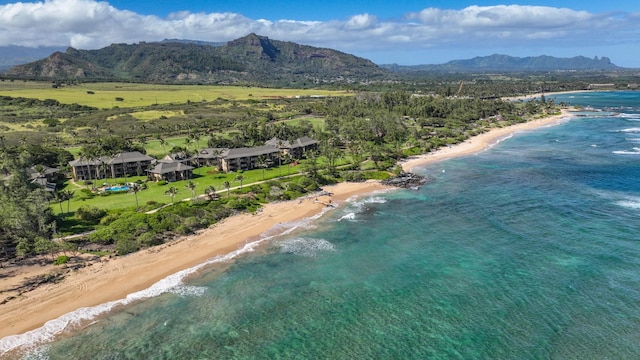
point(93, 285)
point(480, 142)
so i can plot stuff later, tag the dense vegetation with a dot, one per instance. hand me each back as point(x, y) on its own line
point(251, 59)
point(361, 136)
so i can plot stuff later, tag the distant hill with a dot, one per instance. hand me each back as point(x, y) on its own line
point(197, 42)
point(250, 59)
point(15, 55)
point(505, 63)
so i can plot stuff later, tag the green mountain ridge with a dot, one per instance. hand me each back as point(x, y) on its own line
point(500, 63)
point(251, 59)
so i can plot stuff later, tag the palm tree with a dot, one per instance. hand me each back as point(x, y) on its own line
point(210, 192)
point(192, 186)
point(188, 141)
point(227, 185)
point(217, 155)
point(68, 195)
point(262, 163)
point(163, 143)
point(240, 178)
point(60, 199)
point(172, 192)
point(62, 196)
point(288, 159)
point(135, 189)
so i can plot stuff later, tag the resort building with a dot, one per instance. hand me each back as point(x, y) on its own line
point(170, 170)
point(248, 158)
point(119, 165)
point(179, 166)
point(208, 157)
point(230, 160)
point(179, 156)
point(296, 148)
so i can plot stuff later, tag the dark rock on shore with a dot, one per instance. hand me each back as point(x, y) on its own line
point(406, 180)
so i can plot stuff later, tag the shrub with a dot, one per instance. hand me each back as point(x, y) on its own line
point(109, 218)
point(62, 259)
point(148, 239)
point(354, 176)
point(125, 246)
point(162, 182)
point(90, 213)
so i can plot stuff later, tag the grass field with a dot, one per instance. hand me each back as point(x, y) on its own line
point(317, 123)
point(154, 147)
point(154, 192)
point(104, 95)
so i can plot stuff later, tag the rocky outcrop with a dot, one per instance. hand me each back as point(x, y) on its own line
point(406, 181)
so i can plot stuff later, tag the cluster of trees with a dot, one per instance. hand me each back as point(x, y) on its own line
point(367, 131)
point(27, 223)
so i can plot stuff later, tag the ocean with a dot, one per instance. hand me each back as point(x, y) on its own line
point(528, 250)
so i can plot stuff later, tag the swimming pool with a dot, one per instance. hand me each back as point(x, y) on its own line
point(118, 188)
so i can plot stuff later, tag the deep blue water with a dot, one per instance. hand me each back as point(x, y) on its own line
point(528, 250)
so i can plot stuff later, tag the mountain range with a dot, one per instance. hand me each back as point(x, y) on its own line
point(250, 59)
point(258, 60)
point(505, 63)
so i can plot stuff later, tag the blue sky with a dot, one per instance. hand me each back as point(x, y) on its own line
point(403, 32)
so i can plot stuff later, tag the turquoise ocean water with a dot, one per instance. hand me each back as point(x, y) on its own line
point(529, 250)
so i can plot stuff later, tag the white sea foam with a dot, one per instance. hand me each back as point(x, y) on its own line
point(308, 247)
point(359, 205)
point(631, 130)
point(635, 151)
point(349, 216)
point(173, 283)
point(630, 117)
point(500, 140)
point(630, 204)
point(189, 290)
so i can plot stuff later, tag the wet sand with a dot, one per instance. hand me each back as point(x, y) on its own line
point(112, 279)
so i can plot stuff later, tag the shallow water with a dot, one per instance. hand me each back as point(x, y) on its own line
point(528, 250)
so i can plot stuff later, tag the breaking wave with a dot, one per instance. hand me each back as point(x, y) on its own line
point(308, 247)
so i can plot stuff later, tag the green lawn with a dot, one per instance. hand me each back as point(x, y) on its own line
point(155, 148)
point(154, 192)
point(317, 123)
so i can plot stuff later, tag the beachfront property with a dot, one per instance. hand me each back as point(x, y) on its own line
point(171, 170)
point(179, 166)
point(296, 148)
point(119, 165)
point(235, 159)
point(248, 158)
point(209, 157)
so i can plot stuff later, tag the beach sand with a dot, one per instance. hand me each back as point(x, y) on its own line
point(112, 279)
point(115, 278)
point(480, 142)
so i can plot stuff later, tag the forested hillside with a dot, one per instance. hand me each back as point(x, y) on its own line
point(252, 59)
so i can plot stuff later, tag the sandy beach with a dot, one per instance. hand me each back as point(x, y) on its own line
point(480, 142)
point(111, 279)
point(115, 278)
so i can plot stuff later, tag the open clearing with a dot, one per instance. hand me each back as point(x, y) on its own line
point(125, 95)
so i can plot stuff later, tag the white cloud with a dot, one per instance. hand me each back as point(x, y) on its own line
point(89, 24)
point(362, 21)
